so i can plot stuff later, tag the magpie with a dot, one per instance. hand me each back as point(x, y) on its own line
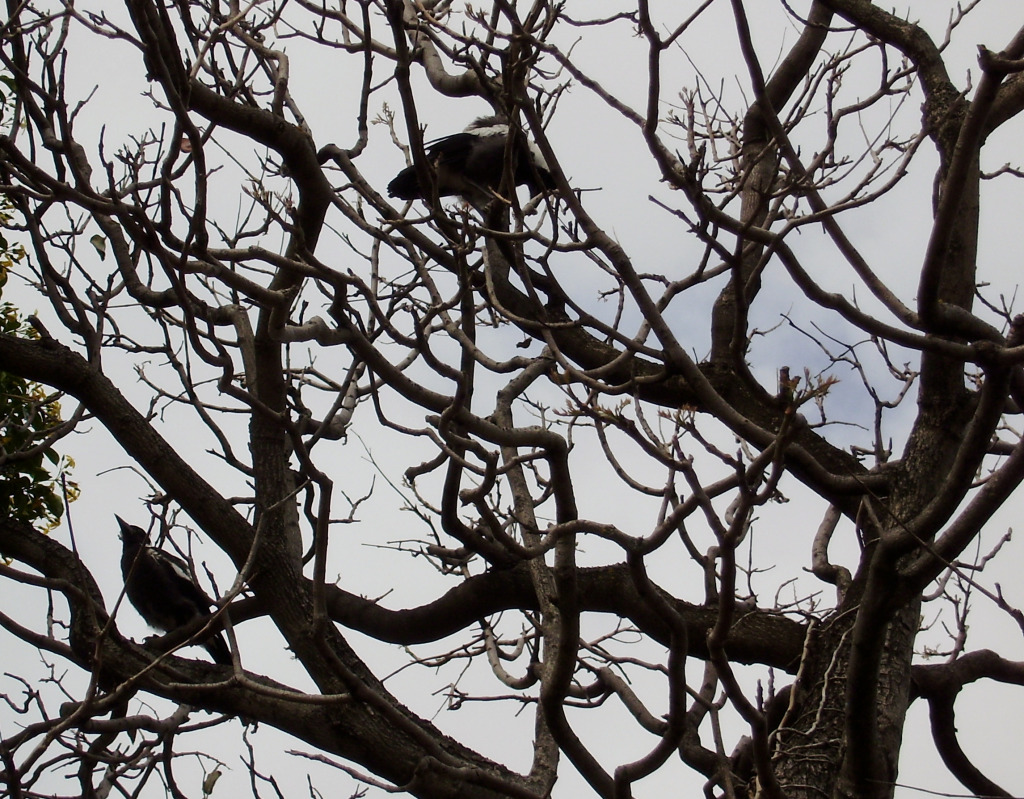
point(471, 164)
point(162, 589)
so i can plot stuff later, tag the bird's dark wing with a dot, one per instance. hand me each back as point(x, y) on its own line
point(162, 591)
point(455, 151)
point(479, 161)
point(457, 168)
point(179, 569)
point(484, 161)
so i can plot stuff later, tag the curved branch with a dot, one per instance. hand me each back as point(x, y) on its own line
point(940, 684)
point(756, 637)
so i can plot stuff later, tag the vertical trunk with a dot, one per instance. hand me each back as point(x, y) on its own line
point(811, 742)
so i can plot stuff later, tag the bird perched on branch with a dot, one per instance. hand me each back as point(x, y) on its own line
point(162, 589)
point(471, 164)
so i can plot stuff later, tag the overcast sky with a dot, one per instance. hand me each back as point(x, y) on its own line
point(601, 152)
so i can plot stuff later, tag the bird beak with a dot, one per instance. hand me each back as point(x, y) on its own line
point(124, 526)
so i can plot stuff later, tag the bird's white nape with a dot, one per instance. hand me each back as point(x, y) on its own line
point(498, 129)
point(493, 127)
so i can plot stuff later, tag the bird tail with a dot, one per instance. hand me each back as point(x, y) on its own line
point(218, 649)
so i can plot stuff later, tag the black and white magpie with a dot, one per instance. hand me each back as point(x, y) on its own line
point(162, 590)
point(471, 164)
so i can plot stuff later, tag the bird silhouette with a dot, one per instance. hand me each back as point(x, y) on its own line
point(471, 164)
point(162, 590)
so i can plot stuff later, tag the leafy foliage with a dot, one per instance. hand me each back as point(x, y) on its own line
point(31, 469)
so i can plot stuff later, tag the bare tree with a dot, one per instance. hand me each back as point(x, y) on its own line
point(598, 445)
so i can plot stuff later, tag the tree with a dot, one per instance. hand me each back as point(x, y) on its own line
point(598, 443)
